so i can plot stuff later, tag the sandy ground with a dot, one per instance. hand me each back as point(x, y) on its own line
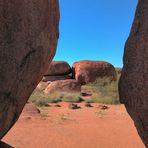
point(61, 127)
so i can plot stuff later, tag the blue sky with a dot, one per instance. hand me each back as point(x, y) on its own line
point(94, 29)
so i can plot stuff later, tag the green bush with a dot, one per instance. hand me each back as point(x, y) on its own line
point(41, 99)
point(72, 97)
point(104, 90)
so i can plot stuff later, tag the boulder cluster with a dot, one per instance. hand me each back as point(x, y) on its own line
point(61, 77)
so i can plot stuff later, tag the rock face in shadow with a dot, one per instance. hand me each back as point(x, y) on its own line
point(5, 145)
point(28, 39)
point(133, 85)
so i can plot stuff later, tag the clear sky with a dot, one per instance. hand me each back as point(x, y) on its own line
point(94, 29)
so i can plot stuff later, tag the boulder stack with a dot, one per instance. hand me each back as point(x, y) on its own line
point(61, 77)
point(57, 70)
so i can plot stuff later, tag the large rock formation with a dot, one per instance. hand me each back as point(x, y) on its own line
point(87, 71)
point(28, 39)
point(58, 68)
point(133, 85)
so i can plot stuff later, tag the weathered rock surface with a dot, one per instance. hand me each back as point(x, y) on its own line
point(118, 70)
point(58, 68)
point(5, 145)
point(63, 85)
point(87, 71)
point(42, 85)
point(133, 85)
point(55, 78)
point(28, 39)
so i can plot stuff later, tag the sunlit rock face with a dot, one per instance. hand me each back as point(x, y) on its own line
point(58, 68)
point(28, 40)
point(133, 85)
point(86, 71)
point(69, 85)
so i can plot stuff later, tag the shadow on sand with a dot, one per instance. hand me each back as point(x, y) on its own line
point(5, 145)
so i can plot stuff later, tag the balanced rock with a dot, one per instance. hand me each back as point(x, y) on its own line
point(87, 71)
point(28, 39)
point(133, 86)
point(63, 85)
point(58, 68)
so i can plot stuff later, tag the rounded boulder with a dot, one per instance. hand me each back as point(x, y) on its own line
point(58, 68)
point(88, 71)
point(63, 85)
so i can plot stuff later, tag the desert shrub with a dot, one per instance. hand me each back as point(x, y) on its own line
point(41, 99)
point(71, 97)
point(89, 100)
point(104, 90)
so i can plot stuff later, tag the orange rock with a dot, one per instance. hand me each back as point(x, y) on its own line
point(58, 68)
point(63, 85)
point(42, 85)
point(87, 71)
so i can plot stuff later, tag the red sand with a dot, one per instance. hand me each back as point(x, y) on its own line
point(81, 128)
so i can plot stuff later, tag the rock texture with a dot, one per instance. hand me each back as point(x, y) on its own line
point(42, 85)
point(63, 85)
point(55, 78)
point(58, 68)
point(118, 70)
point(28, 39)
point(133, 85)
point(87, 71)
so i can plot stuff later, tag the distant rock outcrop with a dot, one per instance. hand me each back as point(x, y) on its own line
point(58, 68)
point(28, 39)
point(63, 85)
point(133, 86)
point(87, 71)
